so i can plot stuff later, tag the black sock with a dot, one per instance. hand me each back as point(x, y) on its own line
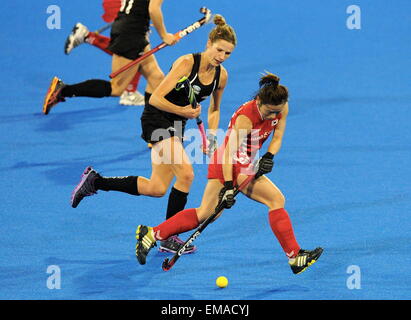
point(91, 88)
point(122, 184)
point(176, 202)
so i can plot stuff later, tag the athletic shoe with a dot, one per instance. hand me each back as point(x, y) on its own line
point(304, 259)
point(173, 244)
point(53, 95)
point(145, 242)
point(86, 186)
point(132, 99)
point(77, 36)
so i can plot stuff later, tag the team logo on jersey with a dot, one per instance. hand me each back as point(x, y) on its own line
point(255, 136)
point(196, 89)
point(274, 122)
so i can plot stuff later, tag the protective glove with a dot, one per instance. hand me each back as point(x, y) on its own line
point(265, 164)
point(227, 195)
point(211, 144)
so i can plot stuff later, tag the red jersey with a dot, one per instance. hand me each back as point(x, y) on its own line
point(261, 130)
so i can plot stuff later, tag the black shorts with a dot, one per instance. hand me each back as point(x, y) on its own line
point(158, 127)
point(127, 42)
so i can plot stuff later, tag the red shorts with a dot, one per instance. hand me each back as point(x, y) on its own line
point(215, 168)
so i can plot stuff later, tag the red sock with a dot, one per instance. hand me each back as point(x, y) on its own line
point(99, 41)
point(281, 225)
point(132, 86)
point(181, 222)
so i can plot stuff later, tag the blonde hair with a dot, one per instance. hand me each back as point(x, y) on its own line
point(222, 31)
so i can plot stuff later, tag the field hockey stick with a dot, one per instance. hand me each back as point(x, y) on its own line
point(104, 28)
point(178, 36)
point(168, 264)
point(185, 83)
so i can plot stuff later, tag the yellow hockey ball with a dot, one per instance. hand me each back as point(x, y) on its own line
point(221, 282)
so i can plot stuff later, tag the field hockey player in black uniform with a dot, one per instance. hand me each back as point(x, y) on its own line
point(129, 39)
point(163, 122)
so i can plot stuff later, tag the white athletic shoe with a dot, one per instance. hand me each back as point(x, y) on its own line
point(132, 99)
point(77, 36)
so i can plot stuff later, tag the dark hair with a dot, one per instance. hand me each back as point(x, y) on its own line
point(222, 31)
point(271, 92)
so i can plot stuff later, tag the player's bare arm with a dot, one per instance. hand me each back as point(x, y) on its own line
point(277, 139)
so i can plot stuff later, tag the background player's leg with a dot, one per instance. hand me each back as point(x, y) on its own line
point(171, 152)
point(120, 83)
point(99, 41)
point(131, 97)
point(95, 88)
point(151, 72)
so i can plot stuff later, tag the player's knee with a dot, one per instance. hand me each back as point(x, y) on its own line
point(202, 214)
point(277, 202)
point(188, 176)
point(158, 191)
point(115, 90)
point(159, 76)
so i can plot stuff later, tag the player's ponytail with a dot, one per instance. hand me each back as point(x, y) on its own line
point(269, 79)
point(222, 31)
point(271, 92)
point(219, 20)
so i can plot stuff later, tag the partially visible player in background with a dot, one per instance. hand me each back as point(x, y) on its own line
point(128, 41)
point(81, 34)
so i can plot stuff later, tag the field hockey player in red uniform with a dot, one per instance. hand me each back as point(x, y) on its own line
point(249, 128)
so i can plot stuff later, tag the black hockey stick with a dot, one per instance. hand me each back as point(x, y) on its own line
point(168, 264)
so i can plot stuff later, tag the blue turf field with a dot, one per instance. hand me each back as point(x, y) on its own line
point(344, 166)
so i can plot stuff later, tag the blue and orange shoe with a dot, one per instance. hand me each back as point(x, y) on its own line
point(86, 186)
point(53, 95)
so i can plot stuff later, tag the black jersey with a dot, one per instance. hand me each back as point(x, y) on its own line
point(180, 97)
point(133, 17)
point(201, 91)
